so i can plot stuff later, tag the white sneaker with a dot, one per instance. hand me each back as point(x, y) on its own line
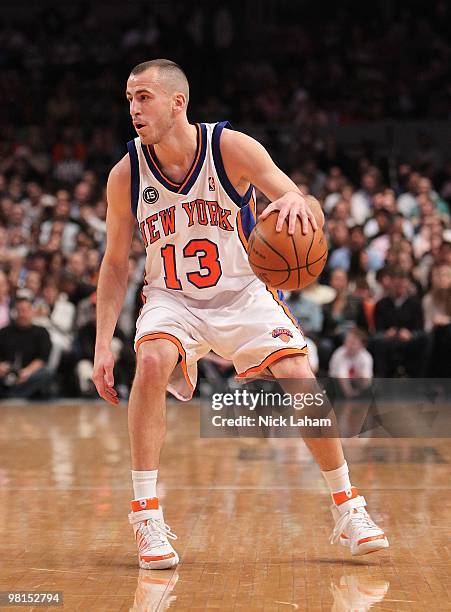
point(354, 527)
point(358, 593)
point(154, 591)
point(152, 533)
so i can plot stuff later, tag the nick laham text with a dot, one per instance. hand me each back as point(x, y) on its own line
point(269, 421)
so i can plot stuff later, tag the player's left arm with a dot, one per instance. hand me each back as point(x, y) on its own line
point(247, 161)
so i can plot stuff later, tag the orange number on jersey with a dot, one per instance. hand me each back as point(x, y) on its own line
point(208, 256)
point(170, 270)
point(208, 261)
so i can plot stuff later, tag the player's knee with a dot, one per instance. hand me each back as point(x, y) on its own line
point(155, 362)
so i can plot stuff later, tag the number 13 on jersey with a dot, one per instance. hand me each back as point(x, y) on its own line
point(208, 257)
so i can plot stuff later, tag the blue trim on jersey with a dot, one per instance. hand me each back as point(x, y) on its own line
point(247, 220)
point(219, 165)
point(200, 163)
point(282, 298)
point(191, 177)
point(134, 168)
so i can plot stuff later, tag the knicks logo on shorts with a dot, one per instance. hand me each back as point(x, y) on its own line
point(150, 195)
point(282, 333)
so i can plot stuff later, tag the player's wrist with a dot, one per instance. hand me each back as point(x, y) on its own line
point(103, 346)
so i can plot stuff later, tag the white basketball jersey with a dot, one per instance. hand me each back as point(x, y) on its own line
point(195, 233)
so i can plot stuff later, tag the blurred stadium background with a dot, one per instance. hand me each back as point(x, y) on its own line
point(356, 107)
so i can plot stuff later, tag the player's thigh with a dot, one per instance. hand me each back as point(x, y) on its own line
point(256, 329)
point(292, 367)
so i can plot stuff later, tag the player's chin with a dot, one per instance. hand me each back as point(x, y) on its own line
point(146, 136)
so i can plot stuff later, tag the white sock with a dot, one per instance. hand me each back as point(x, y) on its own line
point(144, 483)
point(338, 480)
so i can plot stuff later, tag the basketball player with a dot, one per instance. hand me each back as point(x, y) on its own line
point(191, 190)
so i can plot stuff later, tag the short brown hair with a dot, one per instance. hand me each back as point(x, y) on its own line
point(168, 68)
point(360, 334)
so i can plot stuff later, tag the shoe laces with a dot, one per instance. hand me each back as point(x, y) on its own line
point(156, 533)
point(357, 519)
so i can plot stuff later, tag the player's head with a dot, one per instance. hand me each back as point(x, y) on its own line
point(158, 94)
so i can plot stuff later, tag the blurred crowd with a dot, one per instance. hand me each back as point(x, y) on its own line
point(383, 301)
point(383, 304)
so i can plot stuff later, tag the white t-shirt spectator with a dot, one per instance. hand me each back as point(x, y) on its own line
point(343, 365)
point(360, 207)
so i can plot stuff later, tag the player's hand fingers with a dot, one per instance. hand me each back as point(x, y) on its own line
point(111, 398)
point(104, 381)
point(281, 219)
point(292, 220)
point(108, 394)
point(110, 391)
point(108, 374)
point(267, 210)
point(304, 221)
point(312, 218)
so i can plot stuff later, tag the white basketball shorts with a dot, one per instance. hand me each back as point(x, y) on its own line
point(253, 328)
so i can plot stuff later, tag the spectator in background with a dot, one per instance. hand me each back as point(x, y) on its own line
point(406, 202)
point(4, 252)
point(362, 200)
point(61, 220)
point(437, 318)
point(352, 364)
point(5, 300)
point(362, 292)
point(124, 358)
point(398, 346)
point(54, 312)
point(33, 282)
point(24, 354)
point(307, 312)
point(339, 315)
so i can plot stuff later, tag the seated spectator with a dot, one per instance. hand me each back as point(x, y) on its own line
point(384, 282)
point(348, 255)
point(406, 203)
point(398, 346)
point(54, 312)
point(339, 315)
point(363, 292)
point(24, 354)
point(5, 300)
point(61, 217)
point(352, 364)
point(437, 314)
point(124, 360)
point(378, 224)
point(307, 312)
point(436, 303)
point(437, 317)
point(361, 203)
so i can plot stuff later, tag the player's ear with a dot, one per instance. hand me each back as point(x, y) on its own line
point(178, 102)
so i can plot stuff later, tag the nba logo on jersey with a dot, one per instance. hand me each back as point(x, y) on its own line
point(211, 183)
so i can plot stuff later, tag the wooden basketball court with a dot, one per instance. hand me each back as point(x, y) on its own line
point(252, 517)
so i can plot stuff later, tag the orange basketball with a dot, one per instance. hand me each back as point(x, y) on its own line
point(285, 261)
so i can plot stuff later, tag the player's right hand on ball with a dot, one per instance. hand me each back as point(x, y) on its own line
point(102, 376)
